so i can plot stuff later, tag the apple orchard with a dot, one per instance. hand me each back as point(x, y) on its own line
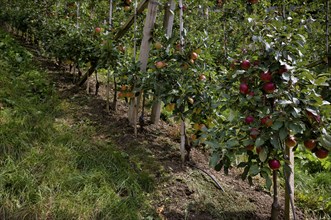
point(244, 78)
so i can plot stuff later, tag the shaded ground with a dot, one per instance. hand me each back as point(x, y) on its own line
point(182, 192)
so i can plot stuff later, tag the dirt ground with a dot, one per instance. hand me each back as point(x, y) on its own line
point(181, 191)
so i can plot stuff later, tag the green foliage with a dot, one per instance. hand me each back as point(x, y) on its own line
point(271, 34)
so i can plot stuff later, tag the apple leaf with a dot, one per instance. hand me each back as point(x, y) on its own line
point(263, 155)
point(282, 133)
point(254, 170)
point(245, 173)
point(274, 141)
point(232, 143)
point(259, 142)
point(247, 142)
point(277, 125)
point(267, 178)
point(214, 159)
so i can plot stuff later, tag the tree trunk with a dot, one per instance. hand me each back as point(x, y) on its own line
point(275, 208)
point(87, 74)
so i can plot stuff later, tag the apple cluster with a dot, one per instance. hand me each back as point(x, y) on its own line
point(267, 82)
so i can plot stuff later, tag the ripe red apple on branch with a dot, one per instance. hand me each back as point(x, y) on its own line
point(310, 144)
point(266, 76)
point(290, 141)
point(269, 87)
point(245, 64)
point(274, 164)
point(322, 153)
point(160, 64)
point(202, 77)
point(98, 30)
point(267, 121)
point(249, 119)
point(194, 56)
point(244, 89)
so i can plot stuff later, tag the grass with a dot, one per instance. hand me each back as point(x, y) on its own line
point(50, 167)
point(313, 187)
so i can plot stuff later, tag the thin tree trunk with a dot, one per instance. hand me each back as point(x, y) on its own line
point(275, 209)
point(87, 74)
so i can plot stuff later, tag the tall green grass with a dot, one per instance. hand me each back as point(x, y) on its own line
point(51, 168)
point(313, 185)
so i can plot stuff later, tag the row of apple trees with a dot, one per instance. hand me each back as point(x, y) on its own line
point(249, 77)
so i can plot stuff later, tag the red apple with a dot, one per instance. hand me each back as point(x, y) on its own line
point(283, 69)
point(202, 77)
point(266, 76)
point(160, 64)
point(254, 133)
point(249, 119)
point(97, 29)
point(269, 87)
point(274, 164)
point(251, 93)
point(322, 153)
point(244, 89)
point(194, 56)
point(245, 64)
point(310, 144)
point(290, 141)
point(266, 121)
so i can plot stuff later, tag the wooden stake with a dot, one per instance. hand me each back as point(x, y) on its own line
point(182, 127)
point(168, 23)
point(182, 140)
point(143, 57)
point(289, 188)
point(108, 91)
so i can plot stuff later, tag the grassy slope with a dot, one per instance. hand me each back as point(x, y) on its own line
point(50, 169)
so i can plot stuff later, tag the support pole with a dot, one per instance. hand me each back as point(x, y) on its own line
point(182, 127)
point(143, 57)
point(289, 188)
point(168, 23)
